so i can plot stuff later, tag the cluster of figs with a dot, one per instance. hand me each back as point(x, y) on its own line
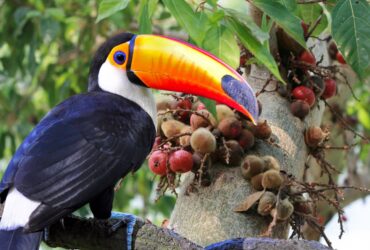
point(266, 179)
point(307, 90)
point(188, 133)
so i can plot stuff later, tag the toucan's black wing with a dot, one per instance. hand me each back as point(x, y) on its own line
point(81, 147)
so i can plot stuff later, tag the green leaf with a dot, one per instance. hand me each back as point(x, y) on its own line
point(145, 24)
point(152, 5)
point(22, 16)
point(283, 17)
point(216, 16)
point(221, 42)
point(351, 32)
point(195, 24)
point(310, 13)
point(110, 7)
point(291, 5)
point(56, 13)
point(210, 105)
point(364, 117)
point(213, 3)
point(247, 20)
point(256, 48)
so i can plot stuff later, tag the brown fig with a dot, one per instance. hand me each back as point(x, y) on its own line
point(256, 182)
point(251, 166)
point(160, 119)
point(172, 128)
point(266, 203)
point(230, 127)
point(270, 162)
point(185, 139)
point(262, 130)
point(198, 121)
point(203, 141)
point(272, 179)
point(284, 209)
point(300, 108)
point(164, 103)
point(314, 136)
point(223, 111)
point(232, 154)
point(246, 139)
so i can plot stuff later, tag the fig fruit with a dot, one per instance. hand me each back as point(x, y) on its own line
point(272, 179)
point(251, 166)
point(181, 161)
point(266, 203)
point(203, 141)
point(158, 162)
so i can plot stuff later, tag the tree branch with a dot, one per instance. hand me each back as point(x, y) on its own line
point(93, 234)
point(90, 234)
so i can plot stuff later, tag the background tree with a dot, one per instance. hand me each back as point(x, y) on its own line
point(46, 48)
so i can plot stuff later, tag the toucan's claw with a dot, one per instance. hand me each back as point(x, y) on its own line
point(127, 220)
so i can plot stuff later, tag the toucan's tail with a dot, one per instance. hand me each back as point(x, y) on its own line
point(18, 240)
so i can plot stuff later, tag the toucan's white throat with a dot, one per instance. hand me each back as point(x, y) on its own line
point(114, 80)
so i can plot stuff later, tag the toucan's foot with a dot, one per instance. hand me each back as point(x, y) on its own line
point(127, 220)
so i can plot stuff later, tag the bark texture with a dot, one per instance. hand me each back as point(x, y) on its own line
point(207, 216)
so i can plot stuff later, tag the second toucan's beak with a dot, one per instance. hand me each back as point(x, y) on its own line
point(163, 63)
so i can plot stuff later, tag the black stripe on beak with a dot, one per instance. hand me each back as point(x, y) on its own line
point(130, 74)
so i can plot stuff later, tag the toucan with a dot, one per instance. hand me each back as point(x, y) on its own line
point(82, 147)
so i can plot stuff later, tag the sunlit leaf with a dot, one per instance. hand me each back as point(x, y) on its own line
point(364, 117)
point(310, 14)
point(291, 5)
point(256, 48)
point(284, 18)
point(247, 20)
point(110, 7)
point(221, 42)
point(195, 24)
point(145, 25)
point(351, 32)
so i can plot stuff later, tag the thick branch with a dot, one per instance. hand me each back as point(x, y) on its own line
point(90, 234)
point(94, 235)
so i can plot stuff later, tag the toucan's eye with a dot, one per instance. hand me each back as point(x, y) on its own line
point(119, 57)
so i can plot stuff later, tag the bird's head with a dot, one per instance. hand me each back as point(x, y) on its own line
point(152, 61)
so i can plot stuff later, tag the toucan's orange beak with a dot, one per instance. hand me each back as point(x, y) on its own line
point(164, 63)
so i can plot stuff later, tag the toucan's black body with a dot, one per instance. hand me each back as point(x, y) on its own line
point(77, 153)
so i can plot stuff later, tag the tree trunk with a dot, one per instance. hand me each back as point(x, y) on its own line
point(207, 216)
